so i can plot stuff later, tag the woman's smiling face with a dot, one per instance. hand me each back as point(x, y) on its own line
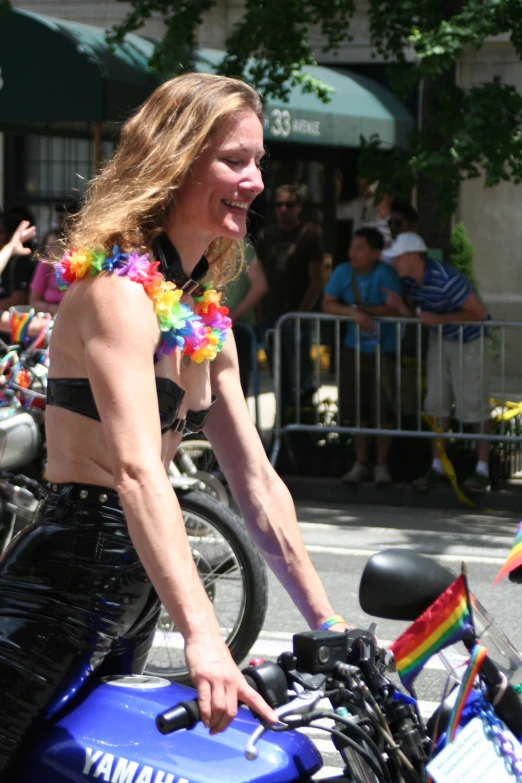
point(224, 180)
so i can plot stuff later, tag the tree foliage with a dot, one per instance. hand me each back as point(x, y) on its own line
point(270, 44)
point(459, 143)
point(174, 53)
point(462, 253)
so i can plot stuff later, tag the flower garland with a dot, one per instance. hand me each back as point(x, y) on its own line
point(199, 334)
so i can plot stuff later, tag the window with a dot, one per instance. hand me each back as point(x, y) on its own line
point(58, 168)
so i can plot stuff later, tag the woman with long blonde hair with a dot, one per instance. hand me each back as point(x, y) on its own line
point(140, 346)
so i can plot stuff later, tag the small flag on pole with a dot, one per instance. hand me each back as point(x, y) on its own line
point(478, 654)
point(445, 622)
point(514, 559)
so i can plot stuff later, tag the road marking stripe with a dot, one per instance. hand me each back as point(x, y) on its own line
point(345, 551)
point(474, 537)
point(325, 746)
point(327, 772)
point(282, 635)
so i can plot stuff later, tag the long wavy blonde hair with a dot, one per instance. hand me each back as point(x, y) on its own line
point(128, 202)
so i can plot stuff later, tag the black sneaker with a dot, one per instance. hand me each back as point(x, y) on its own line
point(430, 479)
point(477, 482)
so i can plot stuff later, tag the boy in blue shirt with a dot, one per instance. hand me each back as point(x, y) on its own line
point(355, 289)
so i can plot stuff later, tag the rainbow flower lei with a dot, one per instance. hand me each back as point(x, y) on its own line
point(199, 334)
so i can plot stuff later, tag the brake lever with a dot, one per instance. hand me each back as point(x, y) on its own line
point(304, 702)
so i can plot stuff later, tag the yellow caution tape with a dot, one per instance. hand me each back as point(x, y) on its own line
point(447, 464)
point(449, 470)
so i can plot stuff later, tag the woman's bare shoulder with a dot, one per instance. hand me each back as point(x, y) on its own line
point(108, 294)
point(107, 304)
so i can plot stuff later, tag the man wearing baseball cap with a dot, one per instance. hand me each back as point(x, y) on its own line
point(441, 296)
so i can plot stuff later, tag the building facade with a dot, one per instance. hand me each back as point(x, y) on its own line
point(491, 216)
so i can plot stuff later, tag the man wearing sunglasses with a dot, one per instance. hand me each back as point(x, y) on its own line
point(403, 218)
point(291, 253)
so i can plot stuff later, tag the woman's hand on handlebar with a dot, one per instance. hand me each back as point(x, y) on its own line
point(220, 684)
point(341, 627)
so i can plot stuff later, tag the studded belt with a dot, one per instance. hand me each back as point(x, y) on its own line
point(90, 494)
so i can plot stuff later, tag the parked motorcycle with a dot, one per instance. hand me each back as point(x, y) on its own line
point(228, 563)
point(340, 683)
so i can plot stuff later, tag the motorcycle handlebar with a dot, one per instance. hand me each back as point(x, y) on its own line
point(184, 715)
point(269, 679)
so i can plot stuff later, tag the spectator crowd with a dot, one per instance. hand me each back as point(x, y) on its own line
point(388, 272)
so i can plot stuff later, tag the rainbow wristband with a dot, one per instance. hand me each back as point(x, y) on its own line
point(335, 619)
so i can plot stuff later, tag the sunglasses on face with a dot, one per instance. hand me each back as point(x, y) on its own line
point(286, 204)
point(395, 222)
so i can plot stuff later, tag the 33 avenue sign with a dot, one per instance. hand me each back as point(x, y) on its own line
point(282, 123)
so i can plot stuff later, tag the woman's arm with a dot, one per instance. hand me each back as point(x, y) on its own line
point(264, 500)
point(119, 330)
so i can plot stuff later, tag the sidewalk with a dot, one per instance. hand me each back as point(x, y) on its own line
point(308, 488)
point(316, 490)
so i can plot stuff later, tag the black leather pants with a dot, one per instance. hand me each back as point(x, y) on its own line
point(74, 601)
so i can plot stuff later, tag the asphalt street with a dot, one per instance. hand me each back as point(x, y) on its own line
point(340, 541)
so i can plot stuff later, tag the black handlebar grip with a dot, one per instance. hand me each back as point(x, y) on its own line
point(184, 715)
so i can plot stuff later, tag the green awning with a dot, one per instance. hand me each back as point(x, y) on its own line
point(359, 107)
point(54, 70)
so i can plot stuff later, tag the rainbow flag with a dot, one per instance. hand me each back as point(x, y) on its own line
point(18, 325)
point(514, 559)
point(478, 654)
point(445, 622)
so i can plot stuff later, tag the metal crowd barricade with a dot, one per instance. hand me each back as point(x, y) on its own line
point(282, 427)
point(256, 384)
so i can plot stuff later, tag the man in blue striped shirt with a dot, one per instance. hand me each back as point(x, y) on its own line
point(457, 355)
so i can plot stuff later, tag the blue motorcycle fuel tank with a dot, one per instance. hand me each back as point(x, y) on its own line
point(112, 736)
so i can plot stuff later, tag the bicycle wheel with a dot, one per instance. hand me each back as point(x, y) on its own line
point(234, 577)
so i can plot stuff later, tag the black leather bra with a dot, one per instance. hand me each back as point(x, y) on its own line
point(75, 394)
